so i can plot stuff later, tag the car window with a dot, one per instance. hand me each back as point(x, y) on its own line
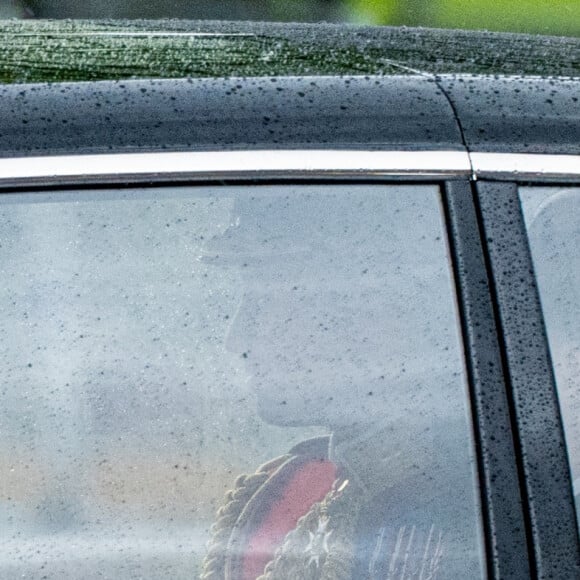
point(552, 216)
point(225, 381)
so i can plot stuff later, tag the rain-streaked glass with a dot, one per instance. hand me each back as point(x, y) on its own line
point(552, 216)
point(158, 343)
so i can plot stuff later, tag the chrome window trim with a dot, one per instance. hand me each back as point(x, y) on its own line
point(524, 165)
point(195, 163)
point(307, 163)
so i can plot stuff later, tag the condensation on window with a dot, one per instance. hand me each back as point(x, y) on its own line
point(552, 217)
point(214, 381)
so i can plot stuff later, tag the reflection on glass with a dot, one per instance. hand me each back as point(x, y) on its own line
point(159, 344)
point(552, 216)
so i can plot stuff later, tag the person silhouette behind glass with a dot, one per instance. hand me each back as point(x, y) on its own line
point(341, 325)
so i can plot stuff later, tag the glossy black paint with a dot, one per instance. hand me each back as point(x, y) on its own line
point(535, 411)
point(82, 50)
point(180, 115)
point(525, 115)
point(517, 114)
point(505, 529)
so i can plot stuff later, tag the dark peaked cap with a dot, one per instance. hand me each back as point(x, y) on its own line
point(331, 227)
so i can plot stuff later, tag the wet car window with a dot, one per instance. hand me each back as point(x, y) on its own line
point(552, 216)
point(231, 381)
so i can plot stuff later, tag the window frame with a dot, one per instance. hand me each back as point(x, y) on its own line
point(505, 515)
point(546, 484)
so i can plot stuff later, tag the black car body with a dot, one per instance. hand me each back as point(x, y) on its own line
point(478, 115)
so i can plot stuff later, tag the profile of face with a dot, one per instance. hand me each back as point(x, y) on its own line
point(331, 320)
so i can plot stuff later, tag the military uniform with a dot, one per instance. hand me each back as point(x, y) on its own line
point(301, 517)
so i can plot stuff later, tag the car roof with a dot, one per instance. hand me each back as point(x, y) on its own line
point(34, 51)
point(397, 113)
point(271, 86)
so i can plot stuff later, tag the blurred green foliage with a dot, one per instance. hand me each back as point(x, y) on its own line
point(553, 17)
point(558, 17)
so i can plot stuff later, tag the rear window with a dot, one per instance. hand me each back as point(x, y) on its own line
point(232, 381)
point(552, 216)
